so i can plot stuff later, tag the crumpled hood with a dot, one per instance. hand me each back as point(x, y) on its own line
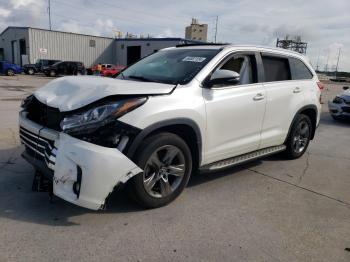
point(73, 92)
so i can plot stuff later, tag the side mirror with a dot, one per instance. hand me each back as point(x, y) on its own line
point(345, 87)
point(223, 77)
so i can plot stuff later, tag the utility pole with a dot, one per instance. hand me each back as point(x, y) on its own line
point(336, 68)
point(318, 59)
point(216, 28)
point(49, 11)
point(326, 68)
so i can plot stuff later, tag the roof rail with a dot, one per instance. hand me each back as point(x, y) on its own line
point(201, 44)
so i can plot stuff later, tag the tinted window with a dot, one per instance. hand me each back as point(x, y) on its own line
point(172, 66)
point(299, 69)
point(276, 68)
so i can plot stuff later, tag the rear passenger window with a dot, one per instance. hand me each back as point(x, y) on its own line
point(276, 68)
point(299, 69)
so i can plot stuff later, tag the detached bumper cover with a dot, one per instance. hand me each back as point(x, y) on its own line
point(100, 168)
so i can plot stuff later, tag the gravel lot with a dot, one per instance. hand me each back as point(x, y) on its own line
point(268, 210)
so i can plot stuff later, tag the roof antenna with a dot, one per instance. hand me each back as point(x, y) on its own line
point(49, 11)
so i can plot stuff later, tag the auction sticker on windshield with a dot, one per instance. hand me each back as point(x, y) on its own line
point(194, 59)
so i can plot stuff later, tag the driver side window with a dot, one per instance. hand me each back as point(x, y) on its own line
point(243, 66)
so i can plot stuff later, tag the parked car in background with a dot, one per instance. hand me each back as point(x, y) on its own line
point(9, 69)
point(181, 109)
point(65, 68)
point(92, 70)
point(32, 69)
point(112, 71)
point(339, 108)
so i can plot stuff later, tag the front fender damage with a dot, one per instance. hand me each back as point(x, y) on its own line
point(85, 173)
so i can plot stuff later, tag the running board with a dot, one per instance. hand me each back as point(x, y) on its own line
point(244, 158)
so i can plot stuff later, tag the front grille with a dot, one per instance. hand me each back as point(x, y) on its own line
point(42, 114)
point(38, 147)
point(346, 109)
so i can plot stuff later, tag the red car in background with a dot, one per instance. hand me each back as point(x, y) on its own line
point(111, 71)
point(108, 70)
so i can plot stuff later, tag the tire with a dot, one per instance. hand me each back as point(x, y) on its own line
point(10, 72)
point(299, 137)
point(52, 73)
point(30, 71)
point(167, 164)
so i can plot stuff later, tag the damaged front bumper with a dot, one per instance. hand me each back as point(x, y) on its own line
point(82, 173)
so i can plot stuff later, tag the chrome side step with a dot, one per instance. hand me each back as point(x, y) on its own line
point(244, 158)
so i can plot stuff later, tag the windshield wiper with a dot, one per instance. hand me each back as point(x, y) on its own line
point(141, 78)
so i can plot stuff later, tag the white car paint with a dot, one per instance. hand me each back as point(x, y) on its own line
point(232, 121)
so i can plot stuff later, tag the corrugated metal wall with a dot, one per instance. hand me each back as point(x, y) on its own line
point(70, 47)
point(147, 47)
point(14, 35)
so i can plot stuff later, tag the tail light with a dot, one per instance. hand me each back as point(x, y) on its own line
point(321, 87)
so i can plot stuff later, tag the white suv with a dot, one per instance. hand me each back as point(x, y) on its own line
point(185, 108)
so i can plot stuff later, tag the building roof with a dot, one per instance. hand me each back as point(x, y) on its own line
point(117, 39)
point(35, 28)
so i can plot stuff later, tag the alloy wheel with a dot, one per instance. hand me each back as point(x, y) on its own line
point(301, 137)
point(164, 171)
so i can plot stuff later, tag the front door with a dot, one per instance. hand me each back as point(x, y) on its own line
point(235, 112)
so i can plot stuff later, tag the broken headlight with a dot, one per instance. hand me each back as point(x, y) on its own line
point(100, 115)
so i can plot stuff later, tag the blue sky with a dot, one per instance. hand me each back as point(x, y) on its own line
point(325, 25)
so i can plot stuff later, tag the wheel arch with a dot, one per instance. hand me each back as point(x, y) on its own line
point(312, 112)
point(185, 128)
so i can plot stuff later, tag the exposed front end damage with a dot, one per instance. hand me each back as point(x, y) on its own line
point(83, 173)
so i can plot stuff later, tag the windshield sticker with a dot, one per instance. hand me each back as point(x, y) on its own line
point(194, 59)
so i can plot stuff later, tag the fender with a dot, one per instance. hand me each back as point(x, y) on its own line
point(158, 125)
point(313, 107)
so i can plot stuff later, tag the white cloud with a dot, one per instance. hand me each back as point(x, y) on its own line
point(24, 3)
point(4, 12)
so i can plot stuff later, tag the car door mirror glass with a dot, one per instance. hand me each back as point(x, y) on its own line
point(224, 77)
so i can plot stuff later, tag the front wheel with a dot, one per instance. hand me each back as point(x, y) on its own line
point(167, 164)
point(299, 137)
point(10, 72)
point(30, 71)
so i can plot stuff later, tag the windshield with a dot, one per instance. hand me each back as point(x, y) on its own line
point(172, 66)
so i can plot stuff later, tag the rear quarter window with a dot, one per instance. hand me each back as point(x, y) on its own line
point(276, 68)
point(299, 69)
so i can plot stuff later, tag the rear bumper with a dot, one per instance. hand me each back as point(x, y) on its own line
point(82, 173)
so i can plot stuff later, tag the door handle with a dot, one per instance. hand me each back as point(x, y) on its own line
point(259, 96)
point(296, 90)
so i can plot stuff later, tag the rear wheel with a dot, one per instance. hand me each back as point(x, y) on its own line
point(167, 163)
point(299, 137)
point(10, 72)
point(52, 73)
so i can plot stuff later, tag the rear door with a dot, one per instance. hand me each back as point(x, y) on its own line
point(235, 112)
point(285, 97)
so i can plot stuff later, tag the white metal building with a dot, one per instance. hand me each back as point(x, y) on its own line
point(22, 45)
